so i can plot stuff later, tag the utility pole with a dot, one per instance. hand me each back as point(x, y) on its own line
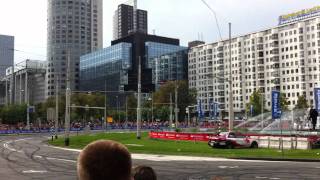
point(188, 108)
point(152, 108)
point(67, 113)
point(105, 106)
point(57, 108)
point(126, 123)
point(231, 113)
point(176, 110)
point(170, 122)
point(262, 110)
point(27, 97)
point(12, 86)
point(139, 101)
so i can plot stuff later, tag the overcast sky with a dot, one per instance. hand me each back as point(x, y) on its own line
point(183, 19)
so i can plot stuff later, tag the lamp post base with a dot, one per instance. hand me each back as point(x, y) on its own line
point(66, 141)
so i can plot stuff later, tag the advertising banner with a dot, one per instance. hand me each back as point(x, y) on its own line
point(179, 136)
point(216, 110)
point(317, 99)
point(296, 16)
point(211, 109)
point(199, 109)
point(276, 107)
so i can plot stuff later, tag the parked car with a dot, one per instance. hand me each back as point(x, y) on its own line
point(232, 140)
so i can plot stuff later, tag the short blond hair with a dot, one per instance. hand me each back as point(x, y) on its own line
point(104, 160)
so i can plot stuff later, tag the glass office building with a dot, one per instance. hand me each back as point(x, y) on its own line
point(112, 67)
point(168, 62)
point(106, 69)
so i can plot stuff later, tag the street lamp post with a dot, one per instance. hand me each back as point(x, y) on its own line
point(27, 99)
point(152, 115)
point(118, 112)
point(170, 122)
point(176, 110)
point(126, 123)
point(57, 109)
point(151, 99)
point(231, 113)
point(67, 112)
point(139, 101)
point(105, 107)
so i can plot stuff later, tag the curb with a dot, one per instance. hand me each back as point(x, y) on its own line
point(278, 159)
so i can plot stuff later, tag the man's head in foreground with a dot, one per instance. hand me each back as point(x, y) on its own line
point(104, 160)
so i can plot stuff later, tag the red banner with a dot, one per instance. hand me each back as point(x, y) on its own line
point(179, 136)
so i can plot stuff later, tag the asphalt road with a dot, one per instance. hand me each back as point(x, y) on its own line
point(29, 157)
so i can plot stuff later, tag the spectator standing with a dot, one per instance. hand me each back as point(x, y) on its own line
point(313, 115)
point(144, 173)
point(104, 160)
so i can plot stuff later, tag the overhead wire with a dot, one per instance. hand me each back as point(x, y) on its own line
point(215, 17)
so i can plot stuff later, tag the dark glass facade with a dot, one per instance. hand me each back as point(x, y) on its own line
point(168, 62)
point(115, 68)
point(106, 68)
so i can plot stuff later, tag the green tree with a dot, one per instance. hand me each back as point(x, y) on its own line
point(302, 103)
point(283, 102)
point(132, 107)
point(256, 99)
point(186, 96)
point(14, 114)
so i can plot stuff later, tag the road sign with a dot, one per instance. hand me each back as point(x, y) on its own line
point(110, 119)
point(31, 109)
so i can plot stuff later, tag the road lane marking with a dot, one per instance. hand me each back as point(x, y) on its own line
point(6, 145)
point(58, 159)
point(33, 171)
point(261, 177)
point(135, 145)
point(229, 167)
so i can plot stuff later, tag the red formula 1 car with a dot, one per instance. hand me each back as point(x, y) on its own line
point(232, 140)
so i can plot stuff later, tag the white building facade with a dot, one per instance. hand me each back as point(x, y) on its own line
point(285, 58)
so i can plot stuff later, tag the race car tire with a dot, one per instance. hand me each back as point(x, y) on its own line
point(254, 145)
point(229, 145)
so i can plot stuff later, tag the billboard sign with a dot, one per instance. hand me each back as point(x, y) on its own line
point(296, 16)
point(276, 107)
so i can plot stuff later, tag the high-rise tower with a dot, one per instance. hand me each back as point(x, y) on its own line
point(74, 29)
point(124, 21)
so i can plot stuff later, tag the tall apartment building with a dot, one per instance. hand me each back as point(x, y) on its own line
point(6, 53)
point(74, 29)
point(123, 21)
point(285, 58)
